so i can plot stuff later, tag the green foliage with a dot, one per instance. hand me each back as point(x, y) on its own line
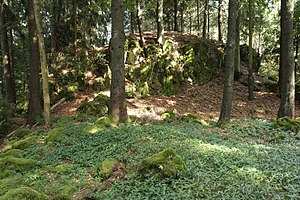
point(105, 168)
point(287, 124)
point(19, 133)
point(26, 143)
point(97, 108)
point(169, 115)
point(191, 118)
point(164, 164)
point(6, 112)
point(24, 193)
point(11, 152)
point(7, 184)
point(17, 164)
point(101, 124)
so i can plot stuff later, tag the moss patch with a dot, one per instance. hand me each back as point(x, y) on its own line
point(11, 152)
point(165, 164)
point(191, 118)
point(65, 192)
point(7, 184)
point(17, 164)
point(106, 167)
point(55, 135)
point(24, 193)
point(17, 134)
point(26, 143)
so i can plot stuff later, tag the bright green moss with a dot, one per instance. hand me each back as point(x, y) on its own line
point(106, 167)
point(65, 192)
point(55, 135)
point(26, 143)
point(193, 118)
point(163, 164)
point(7, 184)
point(11, 152)
point(25, 193)
point(17, 164)
point(106, 121)
point(93, 128)
point(19, 133)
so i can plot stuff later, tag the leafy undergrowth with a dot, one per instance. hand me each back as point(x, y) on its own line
point(245, 159)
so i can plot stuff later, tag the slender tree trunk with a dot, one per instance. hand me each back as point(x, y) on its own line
point(191, 23)
point(9, 85)
point(35, 107)
point(220, 20)
point(250, 55)
point(296, 52)
point(287, 102)
point(160, 22)
point(54, 20)
point(117, 107)
point(229, 62)
point(132, 23)
point(75, 25)
point(175, 15)
point(205, 16)
point(198, 16)
point(140, 24)
point(181, 17)
point(44, 67)
point(237, 59)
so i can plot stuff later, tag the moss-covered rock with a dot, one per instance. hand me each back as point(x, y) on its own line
point(55, 135)
point(64, 120)
point(7, 184)
point(105, 168)
point(193, 118)
point(26, 143)
point(169, 115)
point(106, 122)
point(17, 164)
point(25, 193)
point(164, 164)
point(65, 192)
point(19, 133)
point(98, 107)
point(93, 128)
point(11, 152)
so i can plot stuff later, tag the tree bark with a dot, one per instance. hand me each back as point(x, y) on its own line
point(287, 101)
point(9, 84)
point(220, 20)
point(237, 59)
point(117, 108)
point(229, 63)
point(140, 24)
point(198, 16)
point(250, 55)
point(54, 21)
point(75, 25)
point(160, 22)
point(35, 107)
point(205, 19)
point(44, 67)
point(175, 15)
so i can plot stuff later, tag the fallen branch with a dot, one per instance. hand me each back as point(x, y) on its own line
point(58, 103)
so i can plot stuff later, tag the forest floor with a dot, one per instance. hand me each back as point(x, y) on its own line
point(204, 100)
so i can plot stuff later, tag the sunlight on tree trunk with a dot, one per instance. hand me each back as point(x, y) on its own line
point(43, 59)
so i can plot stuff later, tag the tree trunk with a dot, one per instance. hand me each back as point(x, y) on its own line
point(191, 23)
point(54, 20)
point(132, 23)
point(75, 25)
point(205, 17)
point(250, 55)
point(117, 107)
point(44, 67)
point(9, 84)
point(140, 24)
point(198, 16)
point(237, 59)
point(182, 17)
point(160, 22)
point(175, 15)
point(229, 62)
point(220, 20)
point(287, 102)
point(35, 107)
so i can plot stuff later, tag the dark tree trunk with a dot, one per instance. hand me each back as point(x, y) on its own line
point(237, 59)
point(198, 16)
point(35, 107)
point(160, 22)
point(54, 21)
point(175, 15)
point(287, 102)
point(250, 55)
point(140, 24)
point(132, 22)
point(205, 19)
point(75, 25)
point(117, 107)
point(220, 20)
point(9, 84)
point(229, 63)
point(182, 17)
